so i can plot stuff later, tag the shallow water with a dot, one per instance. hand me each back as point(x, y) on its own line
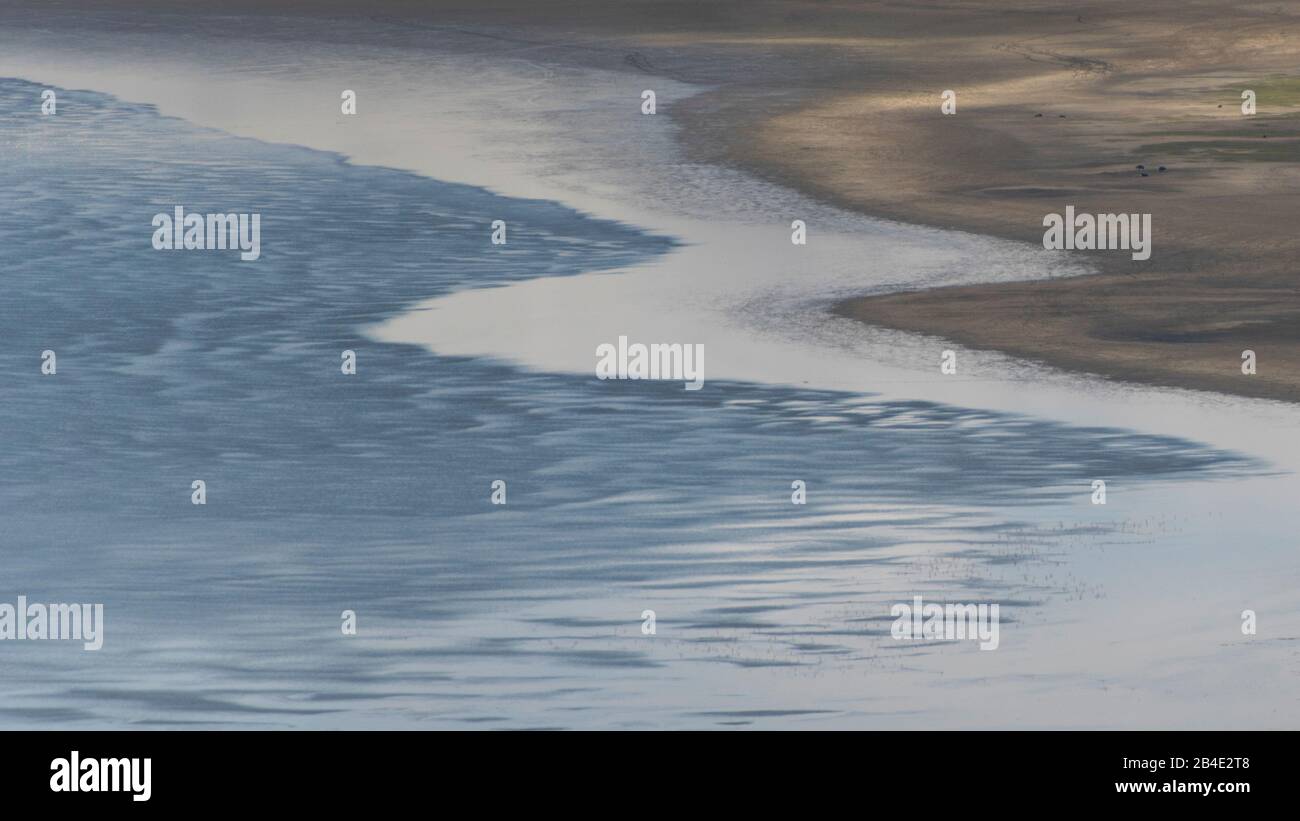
point(328, 492)
point(371, 492)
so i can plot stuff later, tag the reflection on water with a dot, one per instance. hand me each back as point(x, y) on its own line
point(370, 492)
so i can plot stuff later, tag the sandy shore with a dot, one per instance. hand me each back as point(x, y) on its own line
point(1056, 104)
point(1152, 84)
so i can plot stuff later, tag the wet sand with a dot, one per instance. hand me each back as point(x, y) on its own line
point(1056, 105)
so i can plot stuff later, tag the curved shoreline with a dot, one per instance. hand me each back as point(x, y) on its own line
point(1056, 104)
point(1056, 108)
point(787, 309)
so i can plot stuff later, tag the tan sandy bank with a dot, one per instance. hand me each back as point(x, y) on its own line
point(1062, 114)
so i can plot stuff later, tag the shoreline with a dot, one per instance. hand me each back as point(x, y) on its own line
point(1042, 649)
point(1056, 104)
point(1057, 109)
point(900, 364)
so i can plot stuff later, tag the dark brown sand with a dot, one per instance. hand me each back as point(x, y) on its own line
point(841, 100)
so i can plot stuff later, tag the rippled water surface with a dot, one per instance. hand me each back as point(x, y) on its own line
point(370, 492)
